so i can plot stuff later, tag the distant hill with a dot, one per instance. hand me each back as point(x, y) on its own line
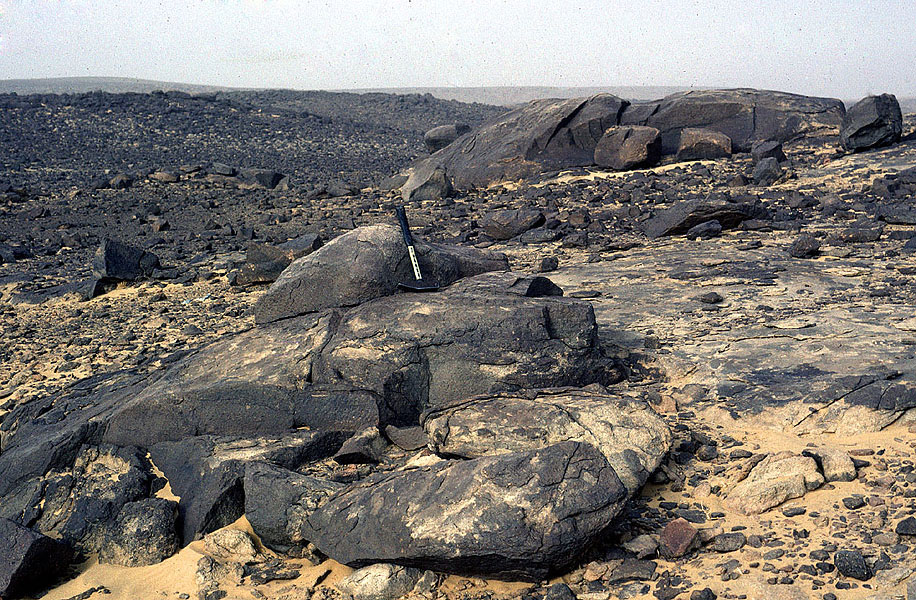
point(114, 85)
point(511, 95)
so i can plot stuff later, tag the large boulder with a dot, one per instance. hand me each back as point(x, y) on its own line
point(427, 182)
point(629, 147)
point(539, 136)
point(630, 435)
point(744, 115)
point(438, 138)
point(142, 534)
point(872, 122)
point(517, 515)
point(703, 144)
point(363, 264)
point(29, 561)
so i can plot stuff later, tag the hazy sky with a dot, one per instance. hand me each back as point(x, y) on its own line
point(843, 48)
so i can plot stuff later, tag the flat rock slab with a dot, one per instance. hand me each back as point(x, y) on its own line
point(632, 437)
point(824, 355)
point(517, 515)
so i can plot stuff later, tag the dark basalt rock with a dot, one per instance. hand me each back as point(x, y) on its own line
point(142, 534)
point(683, 216)
point(767, 171)
point(629, 147)
point(361, 265)
point(118, 261)
point(438, 138)
point(506, 224)
point(625, 430)
point(872, 122)
point(744, 115)
point(537, 137)
point(29, 561)
point(517, 515)
point(703, 144)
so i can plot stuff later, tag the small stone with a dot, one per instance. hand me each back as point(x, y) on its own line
point(728, 542)
point(548, 264)
point(715, 298)
point(677, 538)
point(559, 591)
point(854, 502)
point(805, 246)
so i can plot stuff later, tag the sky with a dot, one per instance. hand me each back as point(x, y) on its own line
point(839, 48)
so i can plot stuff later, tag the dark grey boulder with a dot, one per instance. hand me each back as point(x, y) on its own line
point(804, 246)
point(482, 334)
point(506, 224)
point(142, 534)
point(768, 149)
point(705, 231)
point(438, 138)
point(517, 515)
point(278, 502)
point(363, 264)
point(116, 260)
point(29, 561)
point(744, 115)
point(629, 147)
point(703, 144)
point(872, 122)
point(540, 136)
point(767, 171)
point(427, 181)
point(207, 472)
point(365, 447)
point(630, 435)
point(681, 217)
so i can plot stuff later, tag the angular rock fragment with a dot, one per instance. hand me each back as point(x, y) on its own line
point(117, 261)
point(427, 182)
point(872, 122)
point(29, 561)
point(703, 144)
point(522, 514)
point(628, 147)
point(681, 217)
point(143, 534)
point(380, 582)
point(506, 224)
point(775, 479)
point(767, 171)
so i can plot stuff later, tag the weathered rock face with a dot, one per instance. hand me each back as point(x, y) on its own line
point(380, 582)
point(683, 216)
point(628, 147)
point(438, 138)
point(542, 135)
point(744, 115)
point(521, 514)
point(361, 265)
point(482, 334)
point(279, 501)
point(29, 561)
point(703, 144)
point(872, 122)
point(626, 431)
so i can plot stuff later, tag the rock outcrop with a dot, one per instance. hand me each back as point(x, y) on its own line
point(628, 147)
point(626, 431)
